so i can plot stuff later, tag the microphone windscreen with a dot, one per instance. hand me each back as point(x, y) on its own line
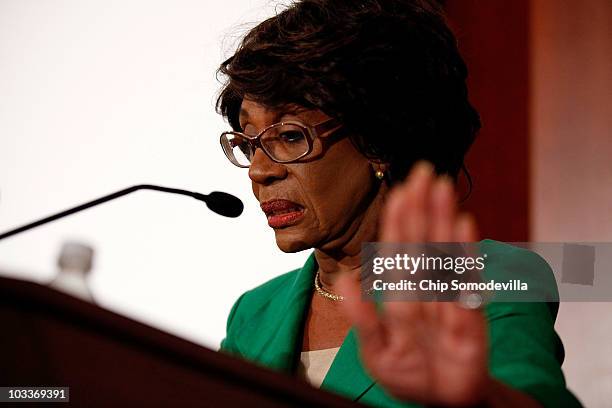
point(224, 204)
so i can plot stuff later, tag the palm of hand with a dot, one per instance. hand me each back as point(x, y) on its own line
point(428, 352)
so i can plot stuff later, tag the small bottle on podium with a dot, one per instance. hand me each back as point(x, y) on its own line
point(74, 266)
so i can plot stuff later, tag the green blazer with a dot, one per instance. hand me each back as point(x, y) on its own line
point(265, 326)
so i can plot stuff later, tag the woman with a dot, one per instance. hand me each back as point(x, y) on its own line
point(334, 103)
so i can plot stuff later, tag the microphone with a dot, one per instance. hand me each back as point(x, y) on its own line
point(222, 203)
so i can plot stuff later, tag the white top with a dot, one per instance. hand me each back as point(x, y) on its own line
point(315, 364)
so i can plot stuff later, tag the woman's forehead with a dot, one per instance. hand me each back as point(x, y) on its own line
point(250, 109)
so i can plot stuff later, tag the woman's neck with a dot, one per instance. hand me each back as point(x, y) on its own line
point(344, 256)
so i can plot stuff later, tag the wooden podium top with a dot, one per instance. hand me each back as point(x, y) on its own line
point(53, 339)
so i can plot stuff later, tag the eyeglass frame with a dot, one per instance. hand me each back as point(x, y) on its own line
point(311, 132)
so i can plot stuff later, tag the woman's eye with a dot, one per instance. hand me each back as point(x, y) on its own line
point(292, 136)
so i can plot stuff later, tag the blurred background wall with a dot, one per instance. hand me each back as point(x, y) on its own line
point(541, 76)
point(571, 165)
point(99, 95)
point(494, 40)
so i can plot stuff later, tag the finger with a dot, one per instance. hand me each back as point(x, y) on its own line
point(403, 218)
point(465, 229)
point(362, 314)
point(390, 226)
point(443, 205)
point(414, 216)
point(461, 323)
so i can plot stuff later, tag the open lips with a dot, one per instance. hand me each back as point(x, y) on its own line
point(282, 213)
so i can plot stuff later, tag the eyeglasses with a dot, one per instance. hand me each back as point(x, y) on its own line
point(283, 142)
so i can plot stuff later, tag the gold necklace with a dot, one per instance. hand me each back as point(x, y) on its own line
point(324, 293)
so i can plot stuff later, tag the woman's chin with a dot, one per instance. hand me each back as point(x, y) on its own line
point(289, 243)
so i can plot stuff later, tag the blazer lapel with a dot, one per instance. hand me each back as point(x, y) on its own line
point(274, 341)
point(347, 375)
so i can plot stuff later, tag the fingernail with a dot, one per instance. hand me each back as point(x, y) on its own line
point(441, 190)
point(445, 178)
point(423, 167)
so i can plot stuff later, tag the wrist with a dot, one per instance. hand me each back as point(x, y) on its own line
point(498, 395)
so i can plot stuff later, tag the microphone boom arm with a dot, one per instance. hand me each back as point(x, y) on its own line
point(101, 200)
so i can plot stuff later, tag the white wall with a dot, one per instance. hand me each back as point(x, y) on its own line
point(98, 95)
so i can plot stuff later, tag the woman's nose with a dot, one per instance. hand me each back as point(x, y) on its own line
point(263, 170)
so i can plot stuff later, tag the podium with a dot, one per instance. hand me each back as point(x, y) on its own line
point(48, 338)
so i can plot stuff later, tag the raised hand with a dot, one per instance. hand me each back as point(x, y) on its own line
point(434, 353)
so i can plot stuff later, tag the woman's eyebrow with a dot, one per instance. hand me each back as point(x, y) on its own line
point(291, 110)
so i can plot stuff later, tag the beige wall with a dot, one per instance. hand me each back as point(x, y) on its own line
point(571, 120)
point(571, 165)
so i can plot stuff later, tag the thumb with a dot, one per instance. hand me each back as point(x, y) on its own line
point(362, 314)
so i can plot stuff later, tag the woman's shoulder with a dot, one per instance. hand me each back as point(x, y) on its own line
point(269, 290)
point(283, 283)
point(273, 295)
point(258, 311)
point(522, 264)
point(525, 352)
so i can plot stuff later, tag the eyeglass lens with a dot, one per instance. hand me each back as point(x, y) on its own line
point(283, 143)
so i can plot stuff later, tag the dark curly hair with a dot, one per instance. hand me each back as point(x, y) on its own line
point(389, 70)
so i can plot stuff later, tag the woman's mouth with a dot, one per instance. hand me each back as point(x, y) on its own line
point(282, 213)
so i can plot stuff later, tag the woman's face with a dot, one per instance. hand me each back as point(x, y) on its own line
point(319, 201)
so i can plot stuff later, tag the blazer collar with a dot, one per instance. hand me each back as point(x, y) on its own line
point(274, 340)
point(279, 348)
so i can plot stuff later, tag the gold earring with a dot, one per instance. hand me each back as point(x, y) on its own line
point(379, 174)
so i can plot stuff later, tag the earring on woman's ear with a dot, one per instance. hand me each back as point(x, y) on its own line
point(379, 173)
